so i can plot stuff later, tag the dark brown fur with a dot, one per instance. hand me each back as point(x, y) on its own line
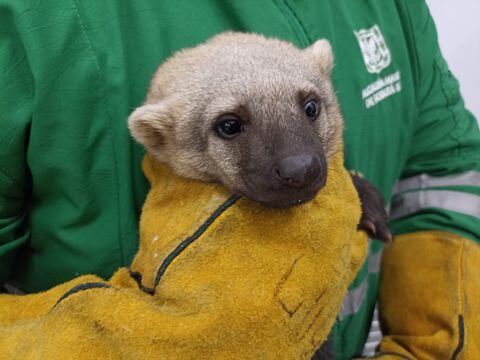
point(374, 218)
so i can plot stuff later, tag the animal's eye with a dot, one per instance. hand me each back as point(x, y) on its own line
point(229, 127)
point(311, 109)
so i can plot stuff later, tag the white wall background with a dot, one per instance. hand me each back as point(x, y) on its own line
point(458, 25)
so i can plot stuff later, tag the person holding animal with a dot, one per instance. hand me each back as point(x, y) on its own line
point(72, 187)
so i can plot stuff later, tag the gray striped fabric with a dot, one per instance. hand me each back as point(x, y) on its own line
point(412, 202)
point(13, 289)
point(374, 336)
point(355, 297)
point(423, 181)
point(420, 192)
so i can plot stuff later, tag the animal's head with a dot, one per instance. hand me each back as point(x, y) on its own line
point(258, 115)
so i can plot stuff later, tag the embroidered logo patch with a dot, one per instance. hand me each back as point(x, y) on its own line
point(375, 51)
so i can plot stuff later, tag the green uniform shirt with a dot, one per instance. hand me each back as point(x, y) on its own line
point(71, 187)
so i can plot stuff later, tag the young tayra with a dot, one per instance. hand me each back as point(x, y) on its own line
point(258, 115)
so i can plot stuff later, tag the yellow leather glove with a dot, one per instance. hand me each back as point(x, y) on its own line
point(216, 277)
point(430, 297)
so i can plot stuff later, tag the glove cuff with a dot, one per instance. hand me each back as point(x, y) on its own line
point(429, 297)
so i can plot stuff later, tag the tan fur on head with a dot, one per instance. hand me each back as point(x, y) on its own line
point(322, 53)
point(262, 81)
point(152, 123)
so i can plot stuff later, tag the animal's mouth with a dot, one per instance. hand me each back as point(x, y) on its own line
point(282, 196)
point(285, 202)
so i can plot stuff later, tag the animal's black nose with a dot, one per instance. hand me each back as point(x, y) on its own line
point(299, 170)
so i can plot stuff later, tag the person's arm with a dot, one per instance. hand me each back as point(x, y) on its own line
point(16, 98)
point(429, 292)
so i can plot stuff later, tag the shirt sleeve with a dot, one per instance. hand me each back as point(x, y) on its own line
point(440, 185)
point(16, 98)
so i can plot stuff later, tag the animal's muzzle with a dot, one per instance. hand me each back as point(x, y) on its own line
point(301, 170)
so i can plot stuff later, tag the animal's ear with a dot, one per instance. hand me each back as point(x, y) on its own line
point(150, 124)
point(322, 53)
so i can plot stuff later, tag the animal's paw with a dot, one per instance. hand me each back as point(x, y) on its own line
point(374, 218)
